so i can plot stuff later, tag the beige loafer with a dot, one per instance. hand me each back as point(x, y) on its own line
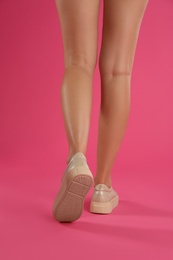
point(104, 199)
point(76, 182)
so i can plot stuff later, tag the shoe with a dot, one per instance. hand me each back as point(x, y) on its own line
point(76, 182)
point(104, 199)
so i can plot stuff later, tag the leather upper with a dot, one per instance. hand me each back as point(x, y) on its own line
point(78, 159)
point(102, 193)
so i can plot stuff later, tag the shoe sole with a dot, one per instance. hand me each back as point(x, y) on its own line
point(69, 202)
point(104, 207)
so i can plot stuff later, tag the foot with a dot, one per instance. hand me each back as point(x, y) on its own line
point(104, 199)
point(76, 182)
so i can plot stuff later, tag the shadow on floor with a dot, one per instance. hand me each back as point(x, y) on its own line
point(126, 207)
point(152, 236)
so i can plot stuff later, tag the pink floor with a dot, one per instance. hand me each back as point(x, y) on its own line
point(33, 145)
point(141, 227)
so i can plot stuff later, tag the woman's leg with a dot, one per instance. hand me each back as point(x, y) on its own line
point(79, 26)
point(121, 25)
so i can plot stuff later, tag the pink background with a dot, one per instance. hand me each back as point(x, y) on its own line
point(33, 145)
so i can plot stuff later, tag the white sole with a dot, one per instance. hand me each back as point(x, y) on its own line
point(104, 207)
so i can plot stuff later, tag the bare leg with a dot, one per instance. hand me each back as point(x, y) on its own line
point(79, 26)
point(121, 25)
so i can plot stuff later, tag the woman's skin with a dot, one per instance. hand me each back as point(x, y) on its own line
point(79, 26)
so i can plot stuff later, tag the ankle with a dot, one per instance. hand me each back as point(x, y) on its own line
point(106, 181)
point(72, 153)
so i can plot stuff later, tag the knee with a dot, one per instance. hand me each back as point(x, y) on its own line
point(81, 62)
point(114, 68)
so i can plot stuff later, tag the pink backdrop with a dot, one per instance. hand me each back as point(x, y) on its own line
point(33, 145)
